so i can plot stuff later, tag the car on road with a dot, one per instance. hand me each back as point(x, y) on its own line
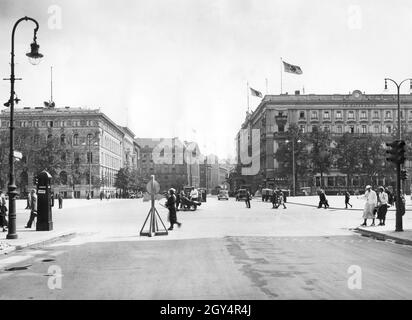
point(223, 194)
point(241, 194)
point(267, 194)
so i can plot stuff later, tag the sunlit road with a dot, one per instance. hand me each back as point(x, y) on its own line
point(222, 251)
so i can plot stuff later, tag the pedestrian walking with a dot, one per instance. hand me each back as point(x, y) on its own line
point(274, 200)
point(347, 198)
point(322, 199)
point(171, 205)
point(178, 200)
point(382, 197)
point(33, 208)
point(60, 198)
point(3, 212)
point(391, 199)
point(101, 195)
point(247, 200)
point(28, 201)
point(370, 205)
point(281, 199)
point(52, 199)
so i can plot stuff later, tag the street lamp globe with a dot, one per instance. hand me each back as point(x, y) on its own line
point(34, 55)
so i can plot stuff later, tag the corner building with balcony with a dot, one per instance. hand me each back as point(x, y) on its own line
point(356, 113)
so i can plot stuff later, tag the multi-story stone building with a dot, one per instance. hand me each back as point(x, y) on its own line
point(85, 147)
point(170, 161)
point(356, 113)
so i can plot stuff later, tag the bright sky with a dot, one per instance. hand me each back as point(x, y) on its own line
point(179, 67)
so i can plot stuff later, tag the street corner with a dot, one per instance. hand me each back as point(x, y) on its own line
point(384, 234)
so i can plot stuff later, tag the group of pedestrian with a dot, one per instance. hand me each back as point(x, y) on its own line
point(322, 199)
point(106, 195)
point(377, 203)
point(278, 199)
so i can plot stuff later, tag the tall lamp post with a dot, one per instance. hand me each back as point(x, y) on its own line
point(399, 226)
point(34, 57)
point(293, 163)
point(89, 160)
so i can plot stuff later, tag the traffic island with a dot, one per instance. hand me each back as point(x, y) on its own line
point(403, 237)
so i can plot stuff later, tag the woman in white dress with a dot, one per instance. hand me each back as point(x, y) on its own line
point(370, 205)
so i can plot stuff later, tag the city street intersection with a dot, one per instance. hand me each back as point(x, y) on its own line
point(222, 251)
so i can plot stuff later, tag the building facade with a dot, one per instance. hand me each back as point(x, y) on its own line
point(355, 113)
point(170, 161)
point(83, 149)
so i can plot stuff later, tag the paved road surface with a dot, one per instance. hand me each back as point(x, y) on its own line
point(223, 251)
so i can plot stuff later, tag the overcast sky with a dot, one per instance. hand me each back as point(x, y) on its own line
point(179, 67)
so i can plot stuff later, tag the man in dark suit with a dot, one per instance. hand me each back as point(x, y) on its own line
point(247, 200)
point(33, 208)
point(60, 198)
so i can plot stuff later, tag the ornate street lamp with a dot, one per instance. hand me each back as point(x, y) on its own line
point(399, 226)
point(34, 57)
point(293, 163)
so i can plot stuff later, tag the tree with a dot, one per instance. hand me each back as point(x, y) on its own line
point(372, 158)
point(320, 155)
point(123, 180)
point(284, 155)
point(347, 154)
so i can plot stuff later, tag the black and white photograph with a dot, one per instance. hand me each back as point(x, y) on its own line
point(211, 152)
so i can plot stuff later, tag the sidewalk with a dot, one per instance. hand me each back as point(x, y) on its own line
point(30, 237)
point(384, 233)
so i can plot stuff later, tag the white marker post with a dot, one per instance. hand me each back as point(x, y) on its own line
point(153, 188)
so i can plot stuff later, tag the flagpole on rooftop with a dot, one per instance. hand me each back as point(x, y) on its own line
point(281, 76)
point(266, 79)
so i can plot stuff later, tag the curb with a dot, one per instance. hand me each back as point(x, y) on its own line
point(382, 236)
point(392, 209)
point(38, 242)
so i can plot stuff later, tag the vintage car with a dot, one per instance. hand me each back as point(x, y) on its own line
point(223, 194)
point(241, 194)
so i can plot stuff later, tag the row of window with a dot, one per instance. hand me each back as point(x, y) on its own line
point(51, 124)
point(111, 144)
point(63, 139)
point(110, 161)
point(350, 115)
point(364, 129)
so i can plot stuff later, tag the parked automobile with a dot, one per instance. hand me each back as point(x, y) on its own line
point(267, 194)
point(241, 194)
point(223, 194)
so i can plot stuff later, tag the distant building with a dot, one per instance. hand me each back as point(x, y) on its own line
point(83, 141)
point(170, 161)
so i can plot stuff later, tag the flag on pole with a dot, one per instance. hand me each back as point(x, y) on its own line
point(256, 93)
point(292, 68)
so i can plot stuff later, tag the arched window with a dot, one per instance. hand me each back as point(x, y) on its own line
point(76, 140)
point(62, 139)
point(63, 177)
